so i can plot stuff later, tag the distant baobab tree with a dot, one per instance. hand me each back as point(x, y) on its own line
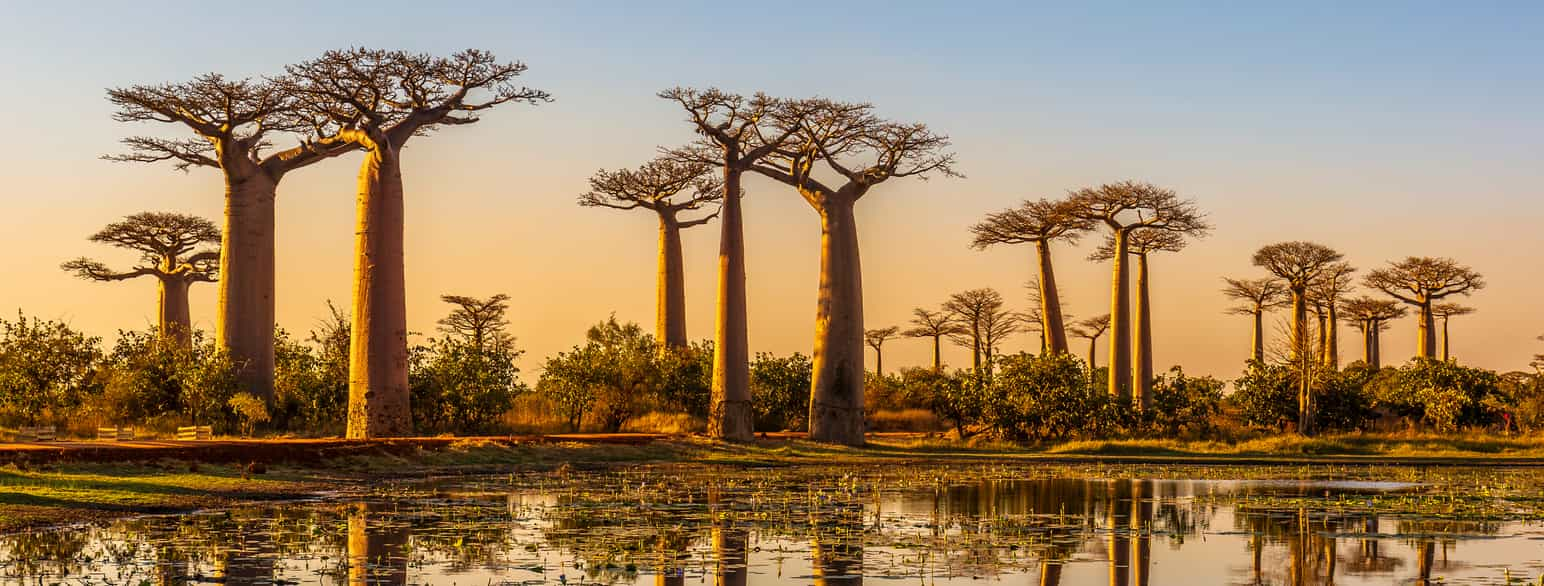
point(1090, 329)
point(936, 325)
point(477, 320)
point(376, 100)
point(1141, 243)
point(736, 132)
point(1422, 282)
point(1257, 297)
point(975, 311)
point(876, 339)
point(1123, 208)
point(1298, 264)
point(1326, 293)
point(234, 123)
point(1371, 318)
point(668, 187)
point(172, 249)
point(1443, 311)
point(1038, 222)
point(847, 142)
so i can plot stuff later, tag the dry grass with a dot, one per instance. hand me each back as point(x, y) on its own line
point(918, 420)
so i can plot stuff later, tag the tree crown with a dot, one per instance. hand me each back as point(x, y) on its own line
point(1297, 262)
point(1130, 204)
point(1420, 280)
point(1040, 220)
point(655, 186)
point(1260, 294)
point(164, 241)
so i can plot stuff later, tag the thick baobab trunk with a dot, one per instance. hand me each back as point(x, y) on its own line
point(1120, 322)
point(1445, 355)
point(731, 412)
point(836, 388)
point(174, 323)
point(975, 349)
point(670, 308)
point(879, 362)
point(1257, 340)
point(1377, 344)
point(1332, 339)
point(938, 363)
point(1323, 338)
point(1299, 327)
point(1426, 336)
point(1300, 361)
point(1053, 330)
point(1368, 334)
point(1093, 344)
point(378, 388)
point(246, 307)
point(1142, 385)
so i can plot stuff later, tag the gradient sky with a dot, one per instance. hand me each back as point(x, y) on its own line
point(1384, 129)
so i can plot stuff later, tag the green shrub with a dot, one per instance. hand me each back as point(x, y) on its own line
point(1183, 404)
point(1036, 397)
point(780, 391)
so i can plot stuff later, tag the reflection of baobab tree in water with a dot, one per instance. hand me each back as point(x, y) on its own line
point(377, 548)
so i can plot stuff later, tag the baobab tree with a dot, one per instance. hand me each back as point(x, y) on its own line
point(876, 339)
point(1039, 222)
point(172, 249)
point(860, 150)
point(1298, 264)
point(1443, 311)
point(477, 320)
point(1371, 318)
point(1090, 329)
point(375, 101)
point(1123, 208)
point(1256, 296)
point(668, 187)
point(1141, 243)
point(933, 324)
point(974, 311)
point(234, 125)
point(1422, 282)
point(1326, 293)
point(736, 132)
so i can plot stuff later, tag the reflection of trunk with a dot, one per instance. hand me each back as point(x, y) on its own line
point(836, 549)
point(248, 560)
point(1424, 554)
point(1119, 506)
point(670, 307)
point(1050, 572)
point(1426, 334)
point(1142, 513)
point(836, 388)
point(246, 323)
point(1120, 322)
point(378, 557)
point(729, 547)
point(174, 321)
point(1053, 329)
point(731, 415)
point(1142, 387)
point(1256, 547)
point(378, 391)
point(171, 567)
point(1330, 558)
point(1257, 340)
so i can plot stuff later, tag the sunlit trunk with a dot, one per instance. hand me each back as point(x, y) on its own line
point(1257, 339)
point(836, 387)
point(246, 306)
point(1445, 355)
point(1142, 386)
point(1119, 511)
point(1377, 344)
point(1301, 361)
point(1120, 322)
point(1332, 339)
point(938, 364)
point(1093, 345)
point(378, 386)
point(670, 307)
point(879, 361)
point(375, 557)
point(1053, 328)
point(1323, 336)
point(1425, 554)
point(1426, 334)
point(975, 348)
point(174, 320)
point(1141, 514)
point(731, 412)
point(1368, 333)
point(729, 546)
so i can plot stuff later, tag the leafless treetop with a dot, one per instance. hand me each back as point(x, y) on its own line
point(1038, 220)
point(1141, 241)
point(1258, 294)
point(1333, 283)
point(1130, 204)
point(1297, 263)
point(876, 338)
point(735, 129)
point(928, 324)
point(169, 245)
point(476, 320)
point(1418, 279)
point(1364, 309)
point(1091, 328)
point(655, 186)
point(1451, 310)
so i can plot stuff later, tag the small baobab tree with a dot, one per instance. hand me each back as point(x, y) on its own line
point(668, 187)
point(876, 339)
point(974, 311)
point(936, 325)
point(1326, 293)
point(1443, 311)
point(1090, 329)
point(1423, 282)
point(172, 249)
point(477, 320)
point(1141, 243)
point(736, 131)
point(1298, 264)
point(860, 150)
point(376, 101)
point(1256, 296)
point(1371, 317)
point(234, 123)
point(1123, 208)
point(1039, 222)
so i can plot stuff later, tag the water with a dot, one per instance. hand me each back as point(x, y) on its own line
point(837, 526)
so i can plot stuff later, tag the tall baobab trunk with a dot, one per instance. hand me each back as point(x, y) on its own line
point(1053, 330)
point(1120, 321)
point(1257, 340)
point(1332, 338)
point(1119, 506)
point(938, 363)
point(879, 362)
point(1323, 335)
point(1445, 355)
point(175, 323)
point(731, 415)
point(975, 349)
point(1300, 361)
point(1377, 344)
point(1299, 326)
point(670, 308)
point(378, 388)
point(1093, 344)
point(246, 307)
point(1142, 386)
point(1368, 333)
point(1141, 513)
point(836, 387)
point(1426, 337)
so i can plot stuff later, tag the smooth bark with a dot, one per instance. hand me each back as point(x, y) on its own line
point(1426, 336)
point(246, 323)
point(1053, 329)
point(1142, 385)
point(731, 412)
point(174, 320)
point(1332, 338)
point(670, 307)
point(1445, 355)
point(836, 388)
point(938, 363)
point(1377, 344)
point(1257, 347)
point(378, 359)
point(1120, 321)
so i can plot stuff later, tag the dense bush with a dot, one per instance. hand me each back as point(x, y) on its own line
point(311, 378)
point(1037, 397)
point(1183, 404)
point(621, 373)
point(780, 391)
point(1266, 395)
point(47, 370)
point(1521, 401)
point(1439, 394)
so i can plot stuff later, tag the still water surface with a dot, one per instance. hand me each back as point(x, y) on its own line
point(838, 527)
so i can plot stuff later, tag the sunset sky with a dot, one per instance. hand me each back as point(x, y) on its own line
point(1383, 129)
